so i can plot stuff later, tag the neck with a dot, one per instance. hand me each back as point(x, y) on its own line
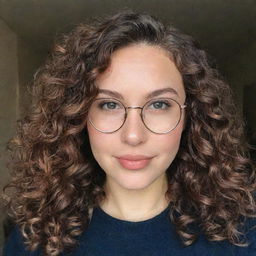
point(135, 205)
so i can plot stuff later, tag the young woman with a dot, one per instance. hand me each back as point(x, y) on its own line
point(132, 147)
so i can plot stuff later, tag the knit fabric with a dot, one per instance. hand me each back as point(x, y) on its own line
point(109, 236)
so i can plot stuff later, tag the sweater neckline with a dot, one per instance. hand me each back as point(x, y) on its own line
point(98, 211)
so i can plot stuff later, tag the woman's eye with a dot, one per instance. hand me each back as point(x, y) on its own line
point(160, 105)
point(108, 105)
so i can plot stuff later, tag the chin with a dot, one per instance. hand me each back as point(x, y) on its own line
point(135, 185)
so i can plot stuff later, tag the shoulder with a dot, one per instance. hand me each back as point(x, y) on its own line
point(203, 246)
point(250, 234)
point(15, 245)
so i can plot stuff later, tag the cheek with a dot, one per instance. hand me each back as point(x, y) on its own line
point(99, 141)
point(170, 143)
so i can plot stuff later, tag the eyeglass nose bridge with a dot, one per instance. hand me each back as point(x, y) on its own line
point(141, 116)
point(141, 109)
point(134, 107)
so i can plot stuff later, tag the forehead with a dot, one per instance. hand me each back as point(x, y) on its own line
point(140, 69)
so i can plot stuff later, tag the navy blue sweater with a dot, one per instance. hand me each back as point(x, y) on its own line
point(108, 236)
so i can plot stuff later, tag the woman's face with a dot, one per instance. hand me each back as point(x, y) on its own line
point(135, 72)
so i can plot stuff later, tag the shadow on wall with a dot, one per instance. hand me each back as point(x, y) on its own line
point(250, 116)
point(18, 63)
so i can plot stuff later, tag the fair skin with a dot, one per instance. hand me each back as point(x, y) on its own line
point(134, 72)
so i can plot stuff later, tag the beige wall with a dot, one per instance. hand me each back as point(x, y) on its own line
point(242, 76)
point(18, 63)
point(28, 62)
point(9, 95)
point(241, 70)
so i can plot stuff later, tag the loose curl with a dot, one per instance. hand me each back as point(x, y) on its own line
point(55, 179)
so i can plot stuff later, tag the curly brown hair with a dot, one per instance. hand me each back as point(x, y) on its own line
point(211, 181)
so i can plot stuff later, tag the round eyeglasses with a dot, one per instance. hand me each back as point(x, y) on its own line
point(160, 115)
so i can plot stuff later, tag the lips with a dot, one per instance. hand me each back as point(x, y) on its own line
point(134, 162)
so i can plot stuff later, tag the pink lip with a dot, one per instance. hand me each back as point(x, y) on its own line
point(135, 157)
point(134, 162)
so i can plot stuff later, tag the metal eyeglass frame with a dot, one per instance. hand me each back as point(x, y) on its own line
point(141, 108)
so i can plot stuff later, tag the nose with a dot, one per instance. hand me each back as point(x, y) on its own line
point(133, 131)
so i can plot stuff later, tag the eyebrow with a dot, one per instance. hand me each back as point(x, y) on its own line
point(149, 96)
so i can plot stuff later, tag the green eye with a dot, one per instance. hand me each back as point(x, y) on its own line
point(108, 105)
point(160, 104)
